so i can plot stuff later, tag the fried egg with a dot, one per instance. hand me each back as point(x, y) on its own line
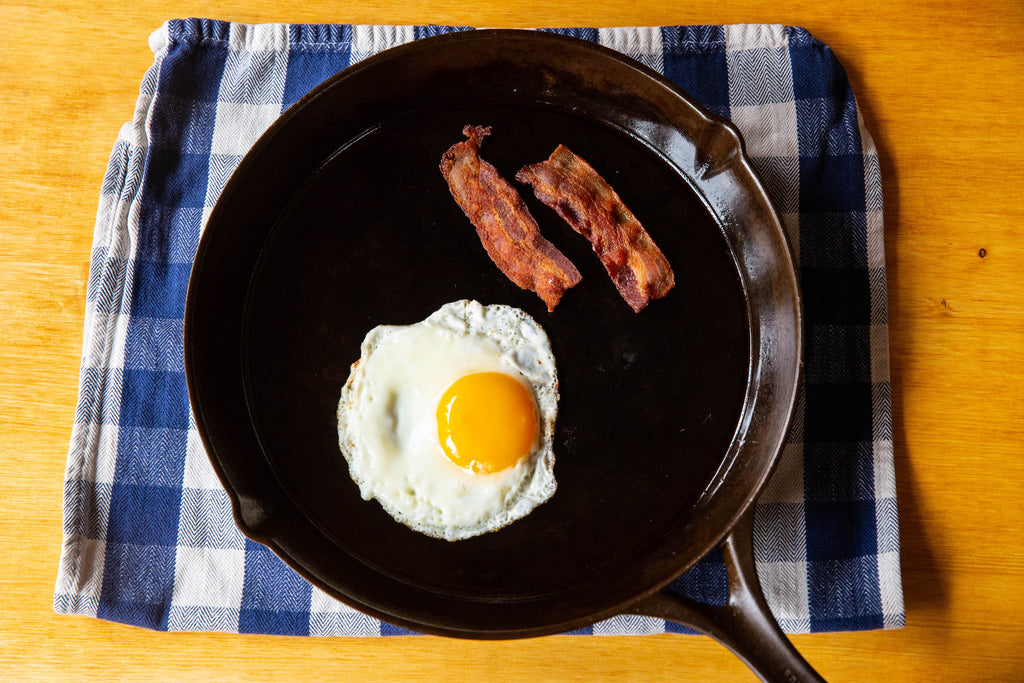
point(449, 422)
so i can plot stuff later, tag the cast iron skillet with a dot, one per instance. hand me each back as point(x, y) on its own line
point(669, 420)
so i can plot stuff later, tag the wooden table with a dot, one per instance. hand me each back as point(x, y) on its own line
point(940, 86)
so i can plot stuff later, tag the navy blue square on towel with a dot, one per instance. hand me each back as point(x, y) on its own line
point(850, 598)
point(148, 515)
point(829, 184)
point(701, 72)
point(160, 289)
point(179, 178)
point(837, 412)
point(193, 74)
point(185, 124)
point(273, 622)
point(838, 472)
point(842, 530)
point(267, 575)
point(154, 399)
point(145, 456)
point(836, 296)
point(706, 582)
point(842, 354)
point(817, 73)
point(319, 59)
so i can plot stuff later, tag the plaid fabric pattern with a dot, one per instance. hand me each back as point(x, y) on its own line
point(148, 534)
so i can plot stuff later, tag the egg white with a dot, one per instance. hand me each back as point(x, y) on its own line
point(387, 426)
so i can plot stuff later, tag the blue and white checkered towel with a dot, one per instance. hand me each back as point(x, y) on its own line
point(148, 533)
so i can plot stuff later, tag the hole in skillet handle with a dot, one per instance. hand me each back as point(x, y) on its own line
point(745, 625)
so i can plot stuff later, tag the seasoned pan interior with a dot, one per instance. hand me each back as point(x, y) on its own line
point(649, 402)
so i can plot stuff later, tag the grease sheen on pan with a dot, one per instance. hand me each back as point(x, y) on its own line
point(392, 415)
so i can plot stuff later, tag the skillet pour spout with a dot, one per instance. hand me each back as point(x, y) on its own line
point(745, 625)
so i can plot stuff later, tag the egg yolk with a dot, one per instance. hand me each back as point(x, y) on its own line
point(486, 422)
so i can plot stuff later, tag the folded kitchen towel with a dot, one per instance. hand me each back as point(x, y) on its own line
point(148, 534)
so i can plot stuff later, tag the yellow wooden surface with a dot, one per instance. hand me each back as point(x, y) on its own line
point(940, 86)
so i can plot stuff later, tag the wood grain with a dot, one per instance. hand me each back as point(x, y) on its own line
point(939, 85)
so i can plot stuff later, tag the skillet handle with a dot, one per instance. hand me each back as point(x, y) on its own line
point(745, 625)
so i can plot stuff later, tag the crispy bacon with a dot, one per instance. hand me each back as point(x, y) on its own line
point(508, 232)
point(571, 187)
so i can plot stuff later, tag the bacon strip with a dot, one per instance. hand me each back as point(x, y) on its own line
point(508, 232)
point(571, 187)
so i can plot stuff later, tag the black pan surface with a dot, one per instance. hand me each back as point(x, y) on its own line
point(339, 220)
point(649, 403)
